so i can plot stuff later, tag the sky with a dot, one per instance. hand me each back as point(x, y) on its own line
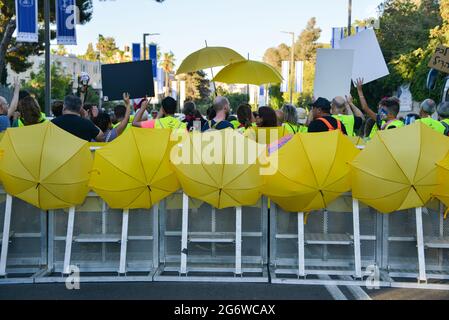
point(247, 26)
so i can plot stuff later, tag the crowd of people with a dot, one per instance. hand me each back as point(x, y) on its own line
point(89, 123)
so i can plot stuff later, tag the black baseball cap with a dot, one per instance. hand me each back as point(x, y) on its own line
point(321, 103)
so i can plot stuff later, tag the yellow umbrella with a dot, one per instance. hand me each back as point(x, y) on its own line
point(45, 166)
point(249, 72)
point(134, 171)
point(397, 170)
point(215, 167)
point(209, 57)
point(442, 191)
point(312, 171)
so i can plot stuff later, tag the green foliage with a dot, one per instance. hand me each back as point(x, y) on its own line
point(197, 87)
point(61, 84)
point(276, 97)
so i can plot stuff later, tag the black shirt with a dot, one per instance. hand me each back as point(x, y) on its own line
point(82, 128)
point(320, 126)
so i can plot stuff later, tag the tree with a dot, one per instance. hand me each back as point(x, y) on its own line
point(61, 84)
point(17, 53)
point(60, 51)
point(305, 49)
point(168, 64)
point(107, 48)
point(91, 54)
point(197, 87)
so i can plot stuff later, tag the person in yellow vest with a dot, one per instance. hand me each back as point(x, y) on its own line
point(120, 112)
point(166, 118)
point(388, 110)
point(443, 115)
point(291, 121)
point(245, 117)
point(351, 116)
point(30, 112)
point(428, 108)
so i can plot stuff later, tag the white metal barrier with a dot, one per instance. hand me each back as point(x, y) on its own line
point(103, 244)
point(201, 243)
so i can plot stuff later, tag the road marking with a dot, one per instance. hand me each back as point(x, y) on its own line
point(333, 290)
point(356, 291)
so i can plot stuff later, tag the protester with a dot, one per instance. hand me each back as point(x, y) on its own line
point(411, 118)
point(165, 120)
point(245, 118)
point(428, 108)
point(388, 115)
point(280, 117)
point(120, 113)
point(72, 122)
point(103, 121)
point(322, 119)
point(388, 110)
point(4, 119)
point(192, 115)
point(443, 115)
point(266, 118)
point(222, 109)
point(56, 108)
point(291, 121)
point(345, 111)
point(30, 112)
point(302, 117)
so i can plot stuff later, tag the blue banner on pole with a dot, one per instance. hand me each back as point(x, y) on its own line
point(66, 17)
point(136, 52)
point(153, 58)
point(27, 26)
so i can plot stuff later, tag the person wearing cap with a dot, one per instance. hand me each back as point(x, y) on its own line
point(345, 111)
point(322, 119)
point(443, 115)
point(291, 121)
point(428, 108)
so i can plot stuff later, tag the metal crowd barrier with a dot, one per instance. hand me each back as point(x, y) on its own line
point(186, 240)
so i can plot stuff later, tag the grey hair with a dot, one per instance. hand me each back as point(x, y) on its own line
point(290, 114)
point(3, 102)
point(339, 102)
point(429, 106)
point(443, 110)
point(220, 103)
point(72, 103)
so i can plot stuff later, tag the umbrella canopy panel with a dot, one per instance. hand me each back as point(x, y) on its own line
point(249, 72)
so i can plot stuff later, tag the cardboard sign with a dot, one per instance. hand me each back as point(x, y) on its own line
point(333, 73)
point(369, 61)
point(136, 78)
point(440, 59)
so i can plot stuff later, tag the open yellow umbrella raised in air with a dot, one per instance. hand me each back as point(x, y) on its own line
point(220, 168)
point(313, 171)
point(45, 166)
point(209, 57)
point(134, 171)
point(398, 169)
point(249, 72)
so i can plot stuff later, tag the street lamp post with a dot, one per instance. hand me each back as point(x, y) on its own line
point(349, 18)
point(47, 57)
point(145, 35)
point(292, 63)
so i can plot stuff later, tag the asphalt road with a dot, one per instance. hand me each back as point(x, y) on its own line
point(208, 291)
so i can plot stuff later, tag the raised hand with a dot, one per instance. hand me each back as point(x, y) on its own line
point(359, 83)
point(126, 99)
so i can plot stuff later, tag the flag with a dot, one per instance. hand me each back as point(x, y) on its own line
point(66, 22)
point(262, 96)
point(285, 75)
point(136, 52)
point(153, 58)
point(299, 76)
point(26, 22)
point(337, 35)
point(160, 80)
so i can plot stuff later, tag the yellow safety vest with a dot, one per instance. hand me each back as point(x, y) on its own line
point(349, 123)
point(433, 124)
point(169, 123)
point(42, 119)
point(395, 123)
point(294, 129)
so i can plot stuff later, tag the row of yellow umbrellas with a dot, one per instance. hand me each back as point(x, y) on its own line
point(398, 170)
